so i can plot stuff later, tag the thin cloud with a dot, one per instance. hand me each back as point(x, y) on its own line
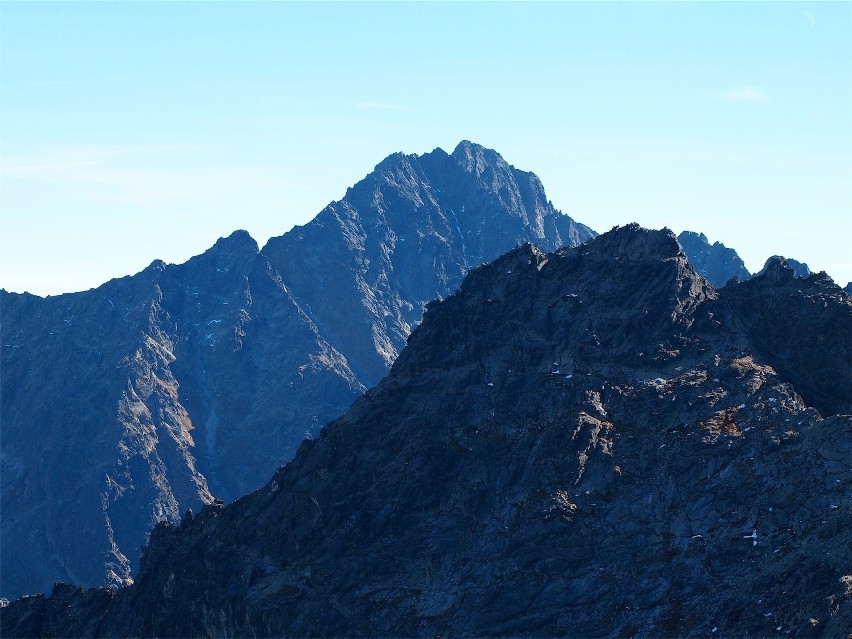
point(47, 84)
point(41, 84)
point(741, 94)
point(137, 174)
point(146, 183)
point(151, 186)
point(385, 106)
point(84, 155)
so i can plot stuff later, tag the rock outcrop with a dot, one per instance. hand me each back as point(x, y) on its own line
point(716, 262)
point(585, 443)
point(127, 404)
point(816, 354)
point(800, 269)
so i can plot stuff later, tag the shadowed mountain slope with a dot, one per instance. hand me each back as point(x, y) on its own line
point(582, 443)
point(767, 303)
point(124, 405)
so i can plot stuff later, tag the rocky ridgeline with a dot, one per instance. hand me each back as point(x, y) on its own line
point(127, 404)
point(591, 442)
point(800, 269)
point(366, 266)
point(716, 262)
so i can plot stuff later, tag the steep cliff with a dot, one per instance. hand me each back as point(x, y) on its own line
point(815, 356)
point(800, 269)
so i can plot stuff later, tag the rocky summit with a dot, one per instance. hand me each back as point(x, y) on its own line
point(800, 269)
point(590, 442)
point(127, 404)
point(366, 266)
point(716, 262)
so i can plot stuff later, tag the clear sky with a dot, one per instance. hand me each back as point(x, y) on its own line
point(138, 131)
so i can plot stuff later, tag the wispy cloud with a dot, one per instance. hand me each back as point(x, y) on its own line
point(84, 155)
point(741, 94)
point(52, 83)
point(137, 174)
point(386, 106)
point(40, 84)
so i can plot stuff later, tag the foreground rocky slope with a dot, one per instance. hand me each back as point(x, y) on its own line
point(125, 405)
point(585, 443)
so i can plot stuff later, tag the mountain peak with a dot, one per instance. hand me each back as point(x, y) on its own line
point(239, 240)
point(415, 214)
point(777, 269)
point(475, 158)
point(156, 265)
point(799, 269)
point(633, 242)
point(717, 263)
point(390, 161)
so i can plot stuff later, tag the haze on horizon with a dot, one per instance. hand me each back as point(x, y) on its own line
point(138, 131)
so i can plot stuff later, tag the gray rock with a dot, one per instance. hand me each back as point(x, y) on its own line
point(716, 263)
point(127, 404)
point(582, 443)
point(366, 266)
point(803, 327)
point(799, 268)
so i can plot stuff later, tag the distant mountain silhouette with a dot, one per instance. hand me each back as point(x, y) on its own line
point(716, 262)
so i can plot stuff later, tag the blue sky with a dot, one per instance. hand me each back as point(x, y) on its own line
point(138, 131)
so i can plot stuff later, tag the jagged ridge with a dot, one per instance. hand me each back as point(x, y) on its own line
point(717, 263)
point(124, 405)
point(580, 443)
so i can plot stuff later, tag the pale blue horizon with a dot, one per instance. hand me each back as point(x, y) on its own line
point(131, 132)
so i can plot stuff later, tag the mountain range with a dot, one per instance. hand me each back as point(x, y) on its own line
point(127, 404)
point(588, 442)
point(186, 384)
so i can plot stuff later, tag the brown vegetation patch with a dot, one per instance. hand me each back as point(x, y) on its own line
point(723, 423)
